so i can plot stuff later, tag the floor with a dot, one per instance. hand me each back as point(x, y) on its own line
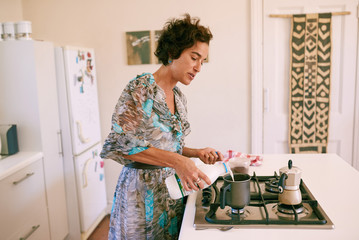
point(101, 231)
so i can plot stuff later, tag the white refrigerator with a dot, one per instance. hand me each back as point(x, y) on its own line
point(80, 125)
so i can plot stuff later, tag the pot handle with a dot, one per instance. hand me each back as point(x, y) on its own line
point(290, 164)
point(283, 177)
point(222, 195)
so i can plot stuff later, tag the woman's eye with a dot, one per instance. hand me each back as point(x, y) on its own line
point(194, 59)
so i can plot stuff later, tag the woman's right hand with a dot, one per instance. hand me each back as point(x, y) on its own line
point(191, 176)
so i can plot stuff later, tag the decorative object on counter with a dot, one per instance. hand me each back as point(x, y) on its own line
point(23, 30)
point(310, 83)
point(9, 143)
point(15, 31)
point(8, 31)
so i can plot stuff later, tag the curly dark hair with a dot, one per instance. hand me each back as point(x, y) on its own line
point(178, 35)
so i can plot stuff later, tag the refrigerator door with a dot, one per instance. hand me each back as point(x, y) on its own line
point(90, 186)
point(81, 84)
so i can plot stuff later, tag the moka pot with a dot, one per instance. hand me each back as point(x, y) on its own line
point(289, 185)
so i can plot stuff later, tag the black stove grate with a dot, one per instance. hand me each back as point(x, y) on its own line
point(262, 200)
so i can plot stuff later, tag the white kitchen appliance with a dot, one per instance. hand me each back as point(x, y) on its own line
point(80, 124)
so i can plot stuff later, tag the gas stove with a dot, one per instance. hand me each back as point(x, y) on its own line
point(263, 211)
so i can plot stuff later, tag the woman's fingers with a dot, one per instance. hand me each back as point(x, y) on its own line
point(214, 157)
point(196, 184)
point(220, 156)
point(209, 156)
point(204, 178)
point(192, 185)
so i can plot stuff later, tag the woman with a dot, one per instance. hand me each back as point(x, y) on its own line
point(147, 136)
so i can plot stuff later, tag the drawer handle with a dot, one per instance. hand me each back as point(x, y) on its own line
point(34, 228)
point(22, 179)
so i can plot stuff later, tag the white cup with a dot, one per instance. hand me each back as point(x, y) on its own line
point(23, 30)
point(9, 31)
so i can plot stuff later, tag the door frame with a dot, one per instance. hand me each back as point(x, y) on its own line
point(257, 76)
point(355, 160)
point(257, 19)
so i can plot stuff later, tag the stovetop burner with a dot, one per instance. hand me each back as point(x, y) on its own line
point(263, 211)
point(272, 184)
point(237, 211)
point(290, 209)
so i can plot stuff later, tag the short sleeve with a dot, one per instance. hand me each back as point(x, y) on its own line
point(128, 123)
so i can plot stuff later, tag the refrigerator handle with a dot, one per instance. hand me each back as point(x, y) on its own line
point(59, 139)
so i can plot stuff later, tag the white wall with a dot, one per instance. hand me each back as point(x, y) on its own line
point(219, 98)
point(10, 10)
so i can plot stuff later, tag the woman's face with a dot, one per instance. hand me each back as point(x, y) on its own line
point(185, 68)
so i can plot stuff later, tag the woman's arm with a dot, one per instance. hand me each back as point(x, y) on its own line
point(185, 167)
point(207, 155)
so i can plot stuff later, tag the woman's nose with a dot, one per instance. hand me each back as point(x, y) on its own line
point(198, 66)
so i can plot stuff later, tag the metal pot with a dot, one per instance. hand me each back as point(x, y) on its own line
point(235, 194)
point(289, 183)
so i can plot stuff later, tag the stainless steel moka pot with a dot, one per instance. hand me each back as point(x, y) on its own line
point(289, 183)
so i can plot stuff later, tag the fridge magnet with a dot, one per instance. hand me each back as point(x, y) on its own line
point(138, 47)
point(94, 153)
point(81, 55)
point(80, 79)
point(89, 68)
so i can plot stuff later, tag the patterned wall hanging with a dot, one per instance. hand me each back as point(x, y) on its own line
point(310, 83)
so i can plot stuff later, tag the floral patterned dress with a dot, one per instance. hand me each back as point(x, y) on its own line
point(142, 208)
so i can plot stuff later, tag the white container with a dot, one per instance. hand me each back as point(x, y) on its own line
point(23, 30)
point(176, 189)
point(8, 31)
point(242, 165)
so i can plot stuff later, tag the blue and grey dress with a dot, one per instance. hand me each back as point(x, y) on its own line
point(142, 208)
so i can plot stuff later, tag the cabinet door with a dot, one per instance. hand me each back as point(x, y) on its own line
point(29, 99)
point(51, 138)
point(23, 204)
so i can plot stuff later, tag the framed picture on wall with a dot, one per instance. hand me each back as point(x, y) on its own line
point(138, 47)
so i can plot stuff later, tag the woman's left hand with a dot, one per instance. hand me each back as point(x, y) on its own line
point(209, 155)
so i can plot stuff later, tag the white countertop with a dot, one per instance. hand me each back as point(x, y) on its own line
point(13, 163)
point(332, 181)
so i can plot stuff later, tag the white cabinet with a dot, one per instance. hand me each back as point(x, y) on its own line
point(29, 99)
point(23, 202)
